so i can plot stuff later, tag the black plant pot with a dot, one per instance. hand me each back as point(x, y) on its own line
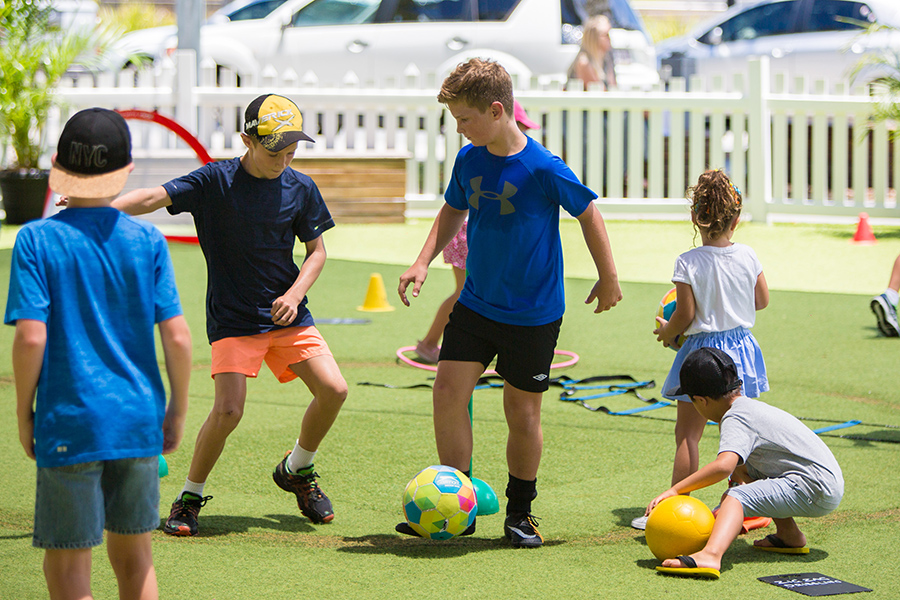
point(24, 194)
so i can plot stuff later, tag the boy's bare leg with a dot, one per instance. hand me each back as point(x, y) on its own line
point(894, 281)
point(131, 558)
point(453, 386)
point(728, 524)
point(788, 532)
point(442, 317)
point(68, 574)
point(329, 389)
point(526, 438)
point(228, 408)
point(689, 426)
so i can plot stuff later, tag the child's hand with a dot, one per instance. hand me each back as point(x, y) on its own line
point(660, 331)
point(662, 335)
point(26, 436)
point(606, 292)
point(173, 431)
point(283, 311)
point(63, 201)
point(414, 275)
point(667, 494)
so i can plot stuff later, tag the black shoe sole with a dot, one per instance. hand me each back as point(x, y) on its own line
point(183, 531)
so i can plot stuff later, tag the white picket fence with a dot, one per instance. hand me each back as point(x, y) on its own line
point(800, 152)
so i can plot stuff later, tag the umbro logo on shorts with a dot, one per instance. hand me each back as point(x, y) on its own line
point(540, 377)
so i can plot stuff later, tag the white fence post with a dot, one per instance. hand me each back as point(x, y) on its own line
point(185, 83)
point(759, 180)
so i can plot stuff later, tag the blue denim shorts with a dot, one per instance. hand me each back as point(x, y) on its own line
point(75, 503)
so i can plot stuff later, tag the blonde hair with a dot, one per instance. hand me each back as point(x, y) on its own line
point(594, 29)
point(478, 83)
point(715, 202)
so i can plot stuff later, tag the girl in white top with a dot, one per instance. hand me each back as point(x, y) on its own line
point(719, 287)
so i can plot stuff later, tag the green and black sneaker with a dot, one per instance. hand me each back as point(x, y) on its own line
point(182, 519)
point(311, 500)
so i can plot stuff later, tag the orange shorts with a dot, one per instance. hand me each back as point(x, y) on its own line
point(280, 349)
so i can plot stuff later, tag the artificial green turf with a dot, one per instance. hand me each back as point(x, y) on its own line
point(824, 357)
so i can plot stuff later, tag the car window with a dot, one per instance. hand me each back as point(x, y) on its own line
point(834, 15)
point(257, 10)
point(495, 10)
point(335, 12)
point(768, 19)
point(433, 10)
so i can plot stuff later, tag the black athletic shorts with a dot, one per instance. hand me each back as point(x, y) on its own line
point(524, 353)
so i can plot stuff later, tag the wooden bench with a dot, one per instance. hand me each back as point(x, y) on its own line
point(359, 188)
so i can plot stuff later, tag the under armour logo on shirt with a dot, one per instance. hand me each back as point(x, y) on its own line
point(509, 190)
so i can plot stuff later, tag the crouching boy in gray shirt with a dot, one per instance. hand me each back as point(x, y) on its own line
point(786, 470)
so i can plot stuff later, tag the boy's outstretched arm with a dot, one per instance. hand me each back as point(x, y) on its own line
point(606, 291)
point(716, 471)
point(284, 308)
point(176, 342)
point(446, 225)
point(28, 358)
point(142, 201)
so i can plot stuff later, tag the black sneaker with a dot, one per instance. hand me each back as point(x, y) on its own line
point(405, 529)
point(313, 502)
point(521, 530)
point(182, 519)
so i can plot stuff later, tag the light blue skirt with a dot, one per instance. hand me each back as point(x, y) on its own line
point(740, 345)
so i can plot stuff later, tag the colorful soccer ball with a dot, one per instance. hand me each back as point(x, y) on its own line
point(439, 503)
point(678, 526)
point(666, 308)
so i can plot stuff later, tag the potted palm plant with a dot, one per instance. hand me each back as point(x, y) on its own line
point(881, 72)
point(34, 55)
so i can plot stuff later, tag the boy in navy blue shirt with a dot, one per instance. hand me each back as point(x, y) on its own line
point(248, 211)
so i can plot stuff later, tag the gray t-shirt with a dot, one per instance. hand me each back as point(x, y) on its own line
point(773, 443)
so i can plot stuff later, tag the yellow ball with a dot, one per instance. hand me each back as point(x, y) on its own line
point(678, 526)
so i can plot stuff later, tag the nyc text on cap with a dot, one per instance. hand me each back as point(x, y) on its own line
point(93, 156)
point(275, 121)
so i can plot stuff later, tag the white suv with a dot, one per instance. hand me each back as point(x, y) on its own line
point(821, 39)
point(378, 39)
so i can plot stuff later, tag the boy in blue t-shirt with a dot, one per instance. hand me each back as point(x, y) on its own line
point(248, 211)
point(513, 300)
point(87, 287)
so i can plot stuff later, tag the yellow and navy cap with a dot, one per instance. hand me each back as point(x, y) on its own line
point(275, 122)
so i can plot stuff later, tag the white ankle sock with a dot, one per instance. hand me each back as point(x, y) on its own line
point(299, 459)
point(892, 295)
point(192, 487)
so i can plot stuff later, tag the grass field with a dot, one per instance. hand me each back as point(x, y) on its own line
point(825, 361)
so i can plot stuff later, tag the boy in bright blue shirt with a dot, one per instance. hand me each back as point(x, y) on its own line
point(87, 287)
point(513, 300)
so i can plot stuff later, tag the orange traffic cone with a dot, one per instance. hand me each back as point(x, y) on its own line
point(864, 235)
point(376, 297)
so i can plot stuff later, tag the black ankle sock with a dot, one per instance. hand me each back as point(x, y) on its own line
point(520, 494)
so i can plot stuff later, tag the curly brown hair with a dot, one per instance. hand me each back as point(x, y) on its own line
point(716, 203)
